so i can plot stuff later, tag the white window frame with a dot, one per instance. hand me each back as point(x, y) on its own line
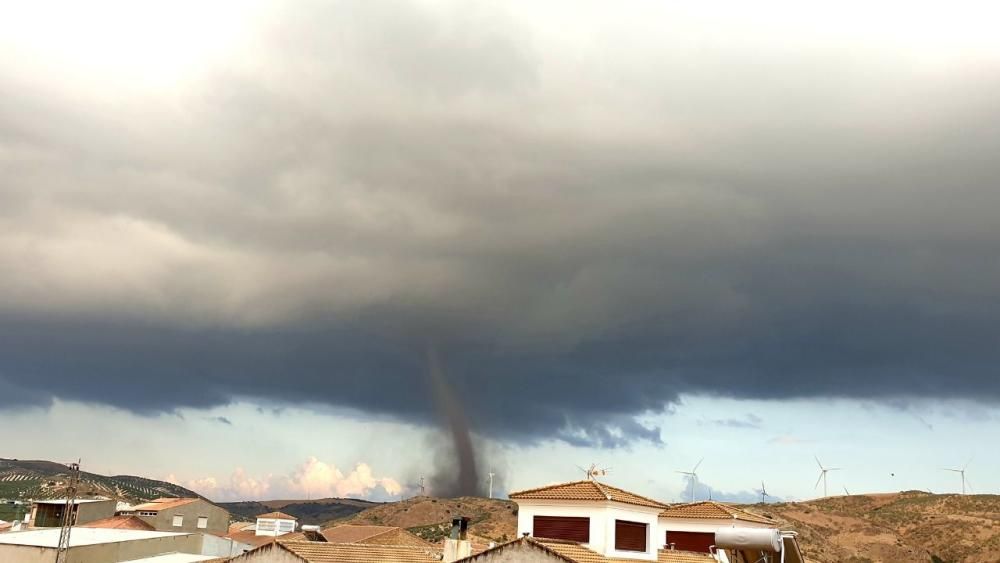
point(202, 522)
point(178, 520)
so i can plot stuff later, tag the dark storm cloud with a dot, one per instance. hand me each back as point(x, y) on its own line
point(589, 224)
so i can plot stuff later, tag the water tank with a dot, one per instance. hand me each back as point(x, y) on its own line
point(761, 539)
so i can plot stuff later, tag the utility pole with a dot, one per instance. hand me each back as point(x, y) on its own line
point(69, 514)
point(491, 483)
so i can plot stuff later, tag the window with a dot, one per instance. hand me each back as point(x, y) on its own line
point(265, 525)
point(178, 520)
point(147, 514)
point(630, 536)
point(286, 526)
point(202, 522)
point(691, 541)
point(572, 528)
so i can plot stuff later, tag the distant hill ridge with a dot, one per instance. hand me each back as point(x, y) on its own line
point(40, 479)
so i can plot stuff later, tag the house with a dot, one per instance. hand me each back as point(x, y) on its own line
point(592, 522)
point(534, 550)
point(98, 545)
point(609, 521)
point(184, 515)
point(49, 513)
point(692, 526)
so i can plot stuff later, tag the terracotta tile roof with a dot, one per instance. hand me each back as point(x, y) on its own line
point(572, 552)
point(162, 504)
point(712, 510)
point(278, 515)
point(120, 523)
point(382, 535)
point(586, 490)
point(318, 552)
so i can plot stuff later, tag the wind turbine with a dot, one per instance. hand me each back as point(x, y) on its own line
point(822, 474)
point(962, 473)
point(693, 474)
point(763, 493)
point(848, 493)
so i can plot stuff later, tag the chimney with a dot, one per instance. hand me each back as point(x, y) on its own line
point(457, 545)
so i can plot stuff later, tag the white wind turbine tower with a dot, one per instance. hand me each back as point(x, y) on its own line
point(693, 474)
point(822, 474)
point(962, 473)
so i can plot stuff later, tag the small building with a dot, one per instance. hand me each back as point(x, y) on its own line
point(96, 545)
point(49, 513)
point(275, 524)
point(612, 522)
point(184, 515)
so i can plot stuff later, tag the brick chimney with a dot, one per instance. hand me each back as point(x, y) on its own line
point(457, 545)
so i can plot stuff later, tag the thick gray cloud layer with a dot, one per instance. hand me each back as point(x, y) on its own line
point(587, 213)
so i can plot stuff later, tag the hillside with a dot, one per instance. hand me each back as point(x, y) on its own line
point(908, 526)
point(430, 518)
point(911, 526)
point(307, 511)
point(22, 479)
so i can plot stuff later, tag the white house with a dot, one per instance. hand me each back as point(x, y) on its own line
point(275, 524)
point(610, 521)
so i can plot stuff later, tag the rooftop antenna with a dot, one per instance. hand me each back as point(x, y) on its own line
point(68, 515)
point(593, 471)
point(822, 474)
point(962, 473)
point(693, 474)
point(492, 474)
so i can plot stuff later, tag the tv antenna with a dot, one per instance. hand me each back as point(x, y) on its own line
point(962, 473)
point(69, 514)
point(593, 471)
point(693, 475)
point(822, 474)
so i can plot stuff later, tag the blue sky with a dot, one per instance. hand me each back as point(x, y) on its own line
point(868, 440)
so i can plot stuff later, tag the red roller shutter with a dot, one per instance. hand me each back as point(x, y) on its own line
point(570, 528)
point(630, 536)
point(691, 541)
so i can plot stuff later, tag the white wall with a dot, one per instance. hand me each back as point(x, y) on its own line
point(602, 522)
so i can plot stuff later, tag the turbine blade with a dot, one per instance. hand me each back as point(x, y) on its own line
point(817, 462)
point(835, 469)
point(818, 480)
point(697, 464)
point(967, 463)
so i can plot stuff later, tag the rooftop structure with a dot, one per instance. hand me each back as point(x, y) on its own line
point(555, 551)
point(120, 523)
point(382, 535)
point(81, 536)
point(712, 510)
point(589, 489)
point(319, 552)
